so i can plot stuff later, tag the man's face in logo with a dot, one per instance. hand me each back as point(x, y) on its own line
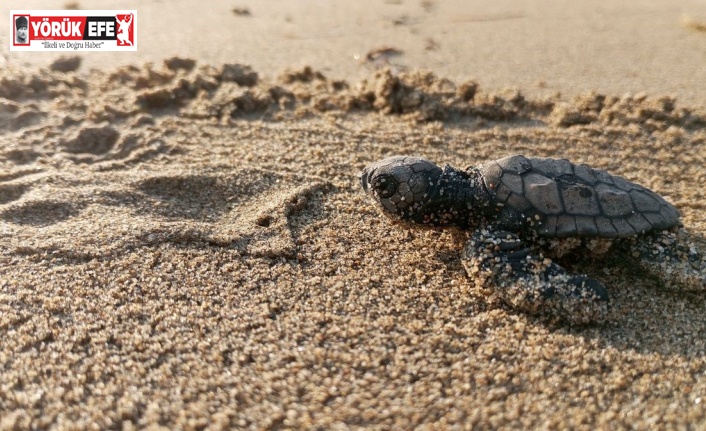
point(22, 32)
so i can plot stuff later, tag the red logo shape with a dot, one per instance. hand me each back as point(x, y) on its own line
point(126, 29)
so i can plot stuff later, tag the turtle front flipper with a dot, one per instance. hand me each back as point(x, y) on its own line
point(530, 283)
point(672, 257)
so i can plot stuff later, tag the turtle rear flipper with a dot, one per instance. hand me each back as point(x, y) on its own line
point(672, 258)
point(532, 284)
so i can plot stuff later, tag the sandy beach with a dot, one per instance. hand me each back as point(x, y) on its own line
point(186, 245)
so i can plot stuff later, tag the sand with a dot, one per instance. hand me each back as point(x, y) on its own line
point(186, 245)
point(542, 47)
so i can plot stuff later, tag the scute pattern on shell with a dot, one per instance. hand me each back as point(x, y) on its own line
point(560, 199)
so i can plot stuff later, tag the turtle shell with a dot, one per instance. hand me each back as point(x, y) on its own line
point(559, 199)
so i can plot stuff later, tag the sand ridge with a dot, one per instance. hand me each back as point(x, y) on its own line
point(188, 246)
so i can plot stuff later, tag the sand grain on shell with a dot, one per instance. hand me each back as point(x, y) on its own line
point(211, 261)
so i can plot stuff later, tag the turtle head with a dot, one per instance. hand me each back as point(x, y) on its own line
point(403, 186)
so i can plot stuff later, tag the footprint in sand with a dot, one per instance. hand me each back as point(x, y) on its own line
point(109, 149)
point(92, 140)
point(14, 116)
point(21, 157)
point(11, 192)
point(250, 209)
point(195, 197)
point(254, 211)
point(40, 213)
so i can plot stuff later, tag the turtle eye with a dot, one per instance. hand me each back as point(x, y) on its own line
point(385, 186)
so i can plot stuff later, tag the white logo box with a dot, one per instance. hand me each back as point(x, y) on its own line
point(75, 30)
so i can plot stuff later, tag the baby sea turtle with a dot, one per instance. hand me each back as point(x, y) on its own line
point(524, 211)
